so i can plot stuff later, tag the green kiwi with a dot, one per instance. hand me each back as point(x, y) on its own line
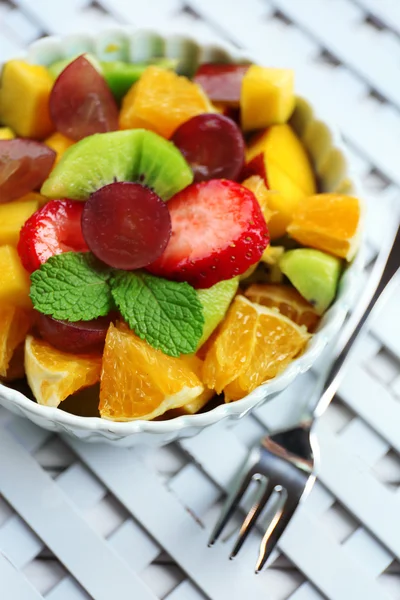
point(314, 274)
point(215, 302)
point(131, 155)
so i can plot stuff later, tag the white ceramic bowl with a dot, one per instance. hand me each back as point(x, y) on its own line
point(332, 168)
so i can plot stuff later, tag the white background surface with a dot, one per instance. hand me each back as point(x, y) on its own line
point(80, 522)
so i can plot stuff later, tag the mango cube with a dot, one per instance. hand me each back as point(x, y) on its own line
point(12, 216)
point(6, 133)
point(24, 99)
point(267, 97)
point(59, 143)
point(14, 280)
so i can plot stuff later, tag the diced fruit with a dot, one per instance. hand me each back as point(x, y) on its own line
point(218, 232)
point(328, 222)
point(161, 101)
point(267, 97)
point(12, 217)
point(314, 274)
point(81, 103)
point(271, 257)
point(15, 323)
point(54, 375)
point(282, 149)
point(140, 382)
point(254, 344)
point(215, 302)
point(256, 184)
point(53, 229)
point(287, 300)
point(24, 165)
point(221, 82)
point(213, 146)
point(16, 368)
point(192, 407)
point(126, 225)
point(6, 133)
point(135, 155)
point(56, 68)
point(24, 99)
point(120, 76)
point(59, 143)
point(85, 336)
point(15, 283)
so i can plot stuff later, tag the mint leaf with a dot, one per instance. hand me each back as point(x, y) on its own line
point(167, 314)
point(72, 287)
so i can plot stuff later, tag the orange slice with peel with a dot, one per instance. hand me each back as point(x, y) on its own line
point(328, 222)
point(287, 300)
point(254, 344)
point(54, 375)
point(140, 382)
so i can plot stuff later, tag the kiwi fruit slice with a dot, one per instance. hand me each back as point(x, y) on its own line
point(119, 75)
point(132, 155)
point(215, 302)
point(314, 274)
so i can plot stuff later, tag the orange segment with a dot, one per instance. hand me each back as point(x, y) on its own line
point(15, 323)
point(140, 382)
point(254, 344)
point(54, 375)
point(287, 300)
point(161, 101)
point(328, 222)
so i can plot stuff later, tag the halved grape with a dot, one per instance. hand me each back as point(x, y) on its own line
point(83, 336)
point(213, 145)
point(81, 103)
point(221, 82)
point(126, 225)
point(24, 165)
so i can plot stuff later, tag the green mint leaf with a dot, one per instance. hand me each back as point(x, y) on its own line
point(167, 314)
point(72, 287)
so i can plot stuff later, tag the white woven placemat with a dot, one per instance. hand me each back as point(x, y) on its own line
point(80, 521)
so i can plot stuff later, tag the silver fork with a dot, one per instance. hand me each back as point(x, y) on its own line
point(285, 463)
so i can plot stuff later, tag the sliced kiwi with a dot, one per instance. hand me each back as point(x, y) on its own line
point(131, 155)
point(215, 302)
point(119, 75)
point(314, 274)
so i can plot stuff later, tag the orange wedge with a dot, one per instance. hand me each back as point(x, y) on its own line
point(54, 375)
point(328, 222)
point(15, 323)
point(140, 382)
point(287, 300)
point(161, 101)
point(254, 344)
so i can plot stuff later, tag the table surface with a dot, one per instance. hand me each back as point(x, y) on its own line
point(80, 521)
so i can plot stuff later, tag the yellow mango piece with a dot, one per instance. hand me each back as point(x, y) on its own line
point(12, 216)
point(15, 323)
point(24, 99)
point(6, 133)
point(59, 143)
point(267, 97)
point(256, 184)
point(15, 284)
point(33, 197)
point(283, 200)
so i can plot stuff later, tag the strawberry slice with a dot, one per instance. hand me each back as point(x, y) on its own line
point(218, 232)
point(53, 229)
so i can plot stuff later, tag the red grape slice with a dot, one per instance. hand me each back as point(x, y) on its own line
point(83, 336)
point(213, 145)
point(221, 83)
point(126, 225)
point(24, 165)
point(81, 103)
point(53, 229)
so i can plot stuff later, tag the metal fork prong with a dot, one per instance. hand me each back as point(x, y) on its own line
point(253, 514)
point(275, 529)
point(247, 473)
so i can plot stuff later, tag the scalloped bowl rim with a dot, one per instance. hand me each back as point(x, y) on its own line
point(332, 319)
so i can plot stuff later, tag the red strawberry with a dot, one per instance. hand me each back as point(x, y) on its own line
point(218, 232)
point(51, 230)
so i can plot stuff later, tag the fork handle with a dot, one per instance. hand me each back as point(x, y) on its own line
point(386, 266)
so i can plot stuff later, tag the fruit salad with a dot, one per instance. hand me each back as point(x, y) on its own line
point(164, 246)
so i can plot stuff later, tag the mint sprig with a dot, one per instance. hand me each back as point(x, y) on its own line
point(167, 314)
point(73, 287)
